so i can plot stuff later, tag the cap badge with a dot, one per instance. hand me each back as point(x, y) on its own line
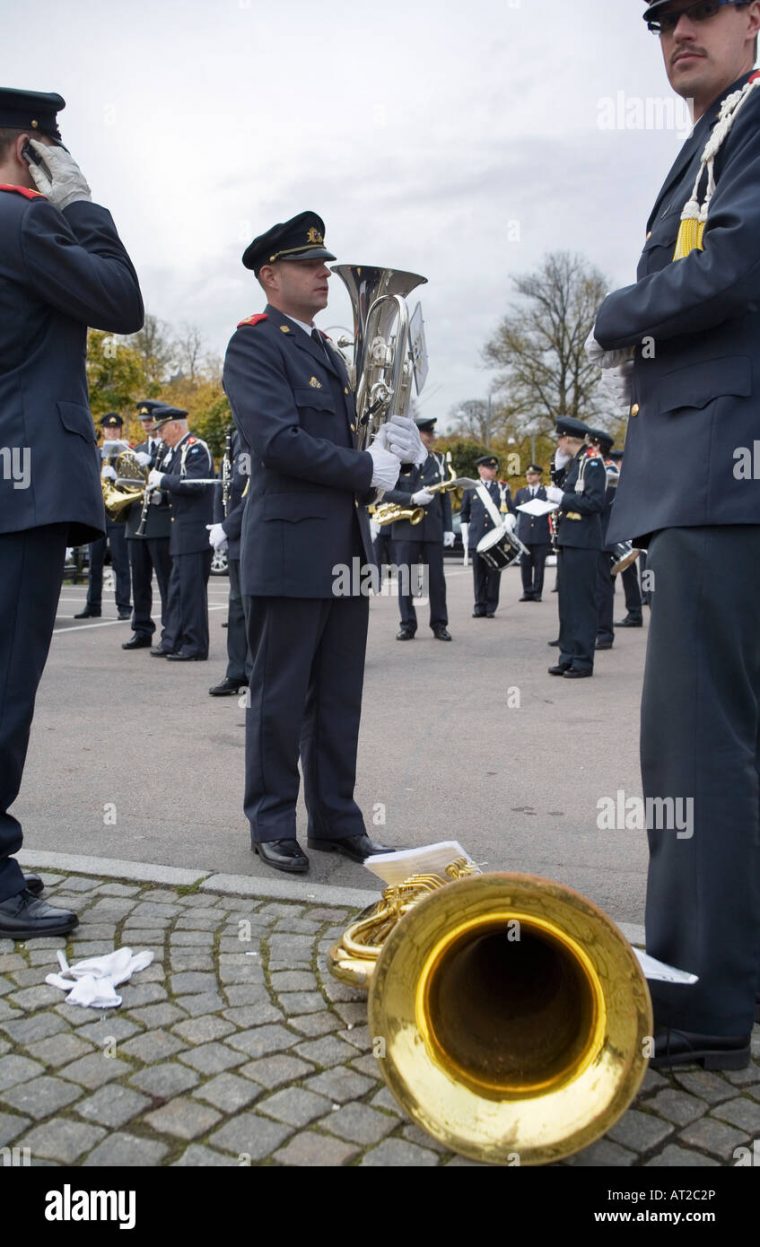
point(313, 235)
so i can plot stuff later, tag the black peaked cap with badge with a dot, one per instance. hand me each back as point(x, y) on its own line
point(163, 413)
point(111, 420)
point(487, 461)
point(31, 110)
point(146, 406)
point(300, 238)
point(568, 426)
point(426, 424)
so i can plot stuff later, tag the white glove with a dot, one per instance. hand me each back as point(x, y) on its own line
point(385, 466)
point(606, 359)
point(422, 498)
point(402, 438)
point(561, 459)
point(553, 494)
point(217, 537)
point(60, 179)
point(108, 473)
point(374, 529)
point(155, 479)
point(615, 388)
point(510, 523)
point(448, 540)
point(465, 543)
point(143, 458)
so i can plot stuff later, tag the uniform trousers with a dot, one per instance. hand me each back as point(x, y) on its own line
point(630, 578)
point(486, 583)
point(305, 699)
point(146, 555)
point(186, 628)
point(31, 573)
point(700, 740)
point(117, 540)
point(427, 554)
point(532, 569)
point(578, 571)
point(605, 598)
point(238, 662)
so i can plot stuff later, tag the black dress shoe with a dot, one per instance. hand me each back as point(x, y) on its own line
point(478, 614)
point(603, 645)
point(490, 615)
point(34, 884)
point(181, 656)
point(228, 687)
point(560, 669)
point(573, 673)
point(88, 614)
point(630, 622)
point(537, 598)
point(356, 847)
point(404, 634)
point(137, 641)
point(24, 917)
point(554, 644)
point(527, 597)
point(673, 1048)
point(441, 633)
point(125, 615)
point(157, 651)
point(282, 854)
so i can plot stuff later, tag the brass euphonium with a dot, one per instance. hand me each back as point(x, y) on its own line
point(128, 488)
point(382, 370)
point(510, 1016)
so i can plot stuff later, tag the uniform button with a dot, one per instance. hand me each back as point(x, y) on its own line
point(346, 390)
point(356, 502)
point(649, 235)
point(635, 410)
point(353, 428)
point(172, 519)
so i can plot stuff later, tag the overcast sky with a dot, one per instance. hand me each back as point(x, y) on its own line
point(462, 144)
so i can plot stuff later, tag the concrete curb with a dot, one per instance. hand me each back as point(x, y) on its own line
point(226, 885)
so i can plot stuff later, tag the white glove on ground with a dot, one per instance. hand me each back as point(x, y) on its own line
point(553, 494)
point(217, 537)
point(422, 498)
point(448, 540)
point(155, 478)
point(60, 179)
point(385, 466)
point(93, 982)
point(108, 473)
point(143, 458)
point(606, 359)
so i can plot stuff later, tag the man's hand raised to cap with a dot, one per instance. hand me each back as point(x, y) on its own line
point(59, 179)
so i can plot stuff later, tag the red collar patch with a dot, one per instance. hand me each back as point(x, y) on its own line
point(253, 320)
point(26, 191)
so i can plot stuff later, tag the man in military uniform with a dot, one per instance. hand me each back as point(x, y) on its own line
point(115, 538)
point(187, 461)
point(605, 581)
point(62, 268)
point(305, 526)
point(422, 545)
point(533, 531)
point(581, 497)
point(634, 616)
point(477, 521)
point(148, 543)
point(689, 333)
point(224, 534)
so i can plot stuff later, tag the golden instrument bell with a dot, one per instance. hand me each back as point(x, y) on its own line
point(514, 1018)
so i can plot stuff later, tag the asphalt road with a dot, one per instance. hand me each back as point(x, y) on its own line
point(131, 758)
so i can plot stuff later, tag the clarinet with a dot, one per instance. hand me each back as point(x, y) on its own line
point(147, 496)
point(227, 473)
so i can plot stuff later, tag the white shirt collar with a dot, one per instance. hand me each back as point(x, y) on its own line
point(301, 325)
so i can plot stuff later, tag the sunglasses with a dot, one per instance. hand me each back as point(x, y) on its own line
point(702, 11)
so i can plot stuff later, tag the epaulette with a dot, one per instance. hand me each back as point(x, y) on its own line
point(191, 441)
point(26, 191)
point(253, 320)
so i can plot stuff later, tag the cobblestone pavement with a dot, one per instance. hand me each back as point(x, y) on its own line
point(236, 1047)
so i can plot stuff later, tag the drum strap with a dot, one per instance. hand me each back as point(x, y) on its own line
point(490, 506)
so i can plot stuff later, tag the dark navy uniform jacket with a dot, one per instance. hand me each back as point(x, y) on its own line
point(232, 523)
point(158, 519)
point(296, 416)
point(533, 530)
point(192, 506)
point(579, 521)
point(59, 273)
point(474, 513)
point(437, 519)
point(696, 400)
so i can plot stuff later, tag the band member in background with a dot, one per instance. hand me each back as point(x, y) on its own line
point(581, 498)
point(694, 402)
point(307, 628)
point(422, 545)
point(148, 526)
point(115, 538)
point(605, 582)
point(634, 617)
point(476, 523)
point(224, 534)
point(62, 268)
point(533, 531)
point(188, 459)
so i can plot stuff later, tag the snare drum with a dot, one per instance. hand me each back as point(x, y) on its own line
point(621, 556)
point(500, 549)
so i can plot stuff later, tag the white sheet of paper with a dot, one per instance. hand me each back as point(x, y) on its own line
point(430, 859)
point(659, 972)
point(537, 506)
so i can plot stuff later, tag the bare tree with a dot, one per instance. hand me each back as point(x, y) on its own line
point(156, 349)
point(478, 419)
point(539, 345)
point(189, 352)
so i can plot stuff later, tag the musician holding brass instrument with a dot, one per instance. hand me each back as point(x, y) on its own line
point(115, 538)
point(421, 544)
point(148, 527)
point(305, 523)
